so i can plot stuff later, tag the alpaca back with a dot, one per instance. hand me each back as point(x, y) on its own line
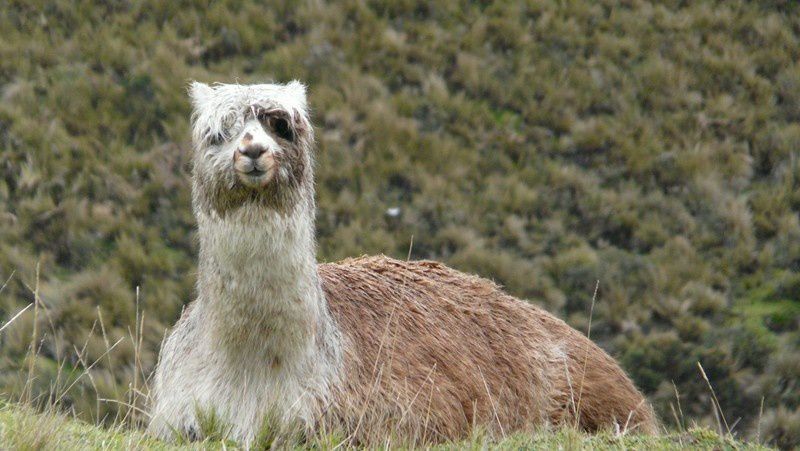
point(430, 352)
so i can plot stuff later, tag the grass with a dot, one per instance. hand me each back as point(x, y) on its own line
point(23, 429)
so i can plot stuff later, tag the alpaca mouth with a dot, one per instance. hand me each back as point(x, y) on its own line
point(256, 177)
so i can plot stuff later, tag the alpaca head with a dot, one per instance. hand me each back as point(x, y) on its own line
point(253, 146)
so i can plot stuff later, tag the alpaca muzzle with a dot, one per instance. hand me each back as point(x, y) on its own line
point(254, 165)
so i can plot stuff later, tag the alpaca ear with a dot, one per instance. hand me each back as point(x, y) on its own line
point(199, 93)
point(298, 92)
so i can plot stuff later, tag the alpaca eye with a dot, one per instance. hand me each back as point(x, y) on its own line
point(281, 128)
point(216, 139)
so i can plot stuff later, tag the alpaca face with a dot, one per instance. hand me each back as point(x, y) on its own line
point(252, 145)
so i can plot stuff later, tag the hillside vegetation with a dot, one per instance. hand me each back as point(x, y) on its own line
point(648, 146)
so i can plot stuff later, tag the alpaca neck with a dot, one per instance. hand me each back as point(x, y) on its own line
point(259, 283)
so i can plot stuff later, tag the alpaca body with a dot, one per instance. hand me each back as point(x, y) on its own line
point(372, 346)
point(426, 352)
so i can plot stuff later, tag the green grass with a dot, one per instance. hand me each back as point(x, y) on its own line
point(22, 429)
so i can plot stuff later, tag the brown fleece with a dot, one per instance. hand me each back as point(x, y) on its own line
point(430, 352)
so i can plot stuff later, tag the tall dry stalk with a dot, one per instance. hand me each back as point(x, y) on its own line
point(585, 357)
point(717, 408)
point(27, 392)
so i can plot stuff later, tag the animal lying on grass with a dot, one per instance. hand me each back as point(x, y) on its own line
point(372, 346)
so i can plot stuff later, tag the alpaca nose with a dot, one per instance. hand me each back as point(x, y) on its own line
point(252, 151)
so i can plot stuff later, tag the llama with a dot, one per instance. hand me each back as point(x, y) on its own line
point(372, 346)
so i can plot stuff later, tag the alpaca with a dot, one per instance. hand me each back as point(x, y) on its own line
point(372, 346)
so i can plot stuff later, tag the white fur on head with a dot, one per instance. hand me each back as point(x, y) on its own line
point(219, 109)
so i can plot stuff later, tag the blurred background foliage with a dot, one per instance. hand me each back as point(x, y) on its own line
point(648, 145)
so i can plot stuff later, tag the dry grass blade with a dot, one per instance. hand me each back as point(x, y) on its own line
point(630, 416)
point(678, 420)
point(569, 384)
point(106, 341)
point(416, 395)
point(494, 408)
point(123, 403)
point(87, 369)
point(377, 372)
point(33, 351)
point(17, 315)
point(5, 284)
point(586, 356)
point(758, 425)
point(718, 408)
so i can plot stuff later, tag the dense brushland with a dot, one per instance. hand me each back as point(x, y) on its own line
point(650, 146)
